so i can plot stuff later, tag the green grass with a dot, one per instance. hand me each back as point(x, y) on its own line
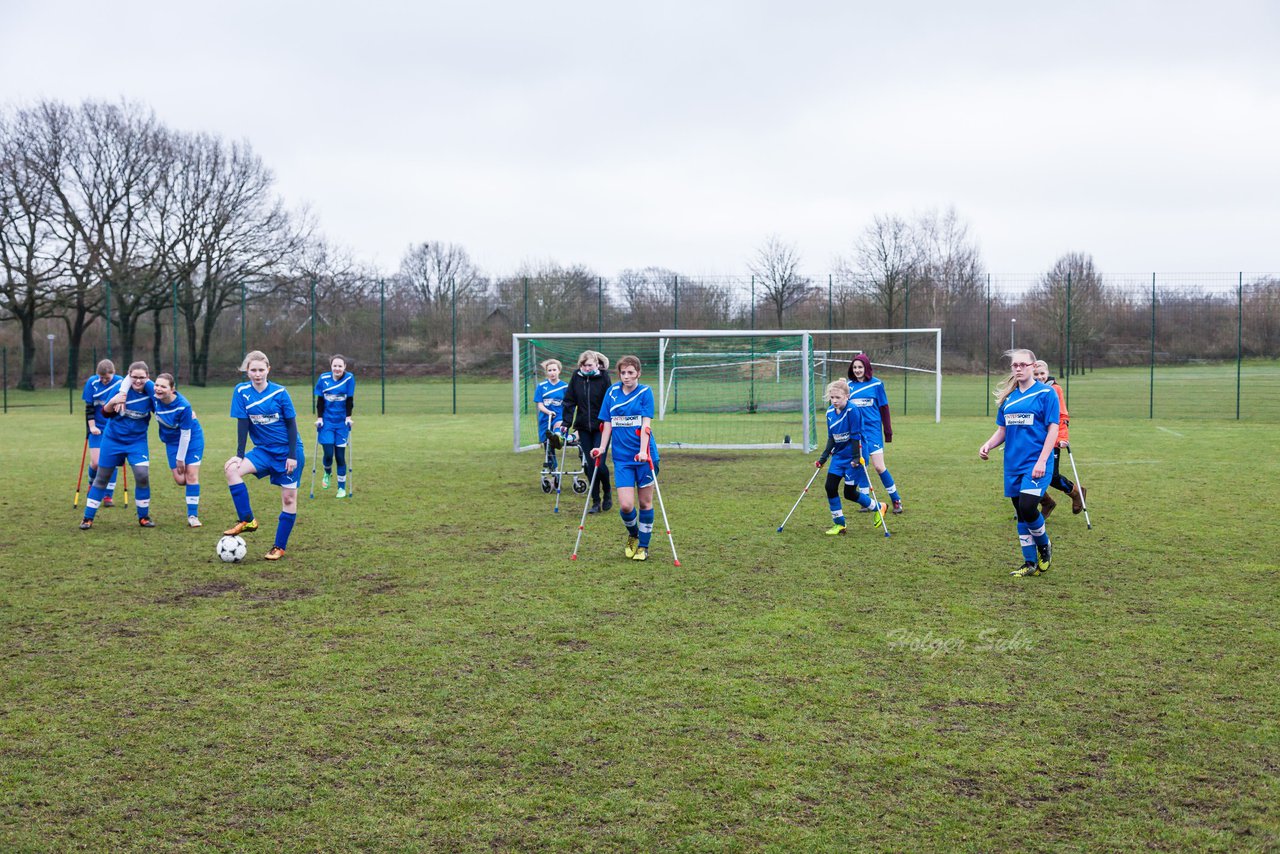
point(428, 669)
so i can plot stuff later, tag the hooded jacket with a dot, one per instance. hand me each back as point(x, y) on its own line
point(867, 375)
point(583, 397)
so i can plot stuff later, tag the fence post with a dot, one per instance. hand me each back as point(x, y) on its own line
point(1067, 389)
point(906, 324)
point(175, 332)
point(1151, 406)
point(313, 342)
point(453, 303)
point(382, 347)
point(675, 344)
point(107, 304)
point(4, 357)
point(1239, 336)
point(988, 344)
point(243, 341)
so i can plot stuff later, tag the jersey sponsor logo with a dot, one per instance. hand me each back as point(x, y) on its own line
point(135, 414)
point(626, 421)
point(863, 402)
point(334, 398)
point(841, 437)
point(265, 419)
point(1019, 419)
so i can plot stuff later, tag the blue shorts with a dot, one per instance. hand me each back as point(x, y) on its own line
point(265, 464)
point(195, 452)
point(846, 469)
point(333, 434)
point(96, 441)
point(631, 474)
point(872, 444)
point(112, 454)
point(1019, 482)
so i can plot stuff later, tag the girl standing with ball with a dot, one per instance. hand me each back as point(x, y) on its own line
point(264, 413)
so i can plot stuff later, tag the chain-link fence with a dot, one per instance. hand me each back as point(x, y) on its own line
point(1152, 345)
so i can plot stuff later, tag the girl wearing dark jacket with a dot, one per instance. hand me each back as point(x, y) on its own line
point(582, 399)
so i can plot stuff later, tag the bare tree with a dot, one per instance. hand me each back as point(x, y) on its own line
point(568, 298)
point(776, 266)
point(436, 273)
point(1071, 301)
point(32, 255)
point(884, 258)
point(948, 283)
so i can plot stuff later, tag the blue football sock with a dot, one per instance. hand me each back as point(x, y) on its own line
point(240, 497)
point(93, 501)
point(193, 499)
point(142, 500)
point(646, 527)
point(630, 521)
point(1027, 543)
point(1037, 531)
point(889, 486)
point(284, 529)
point(837, 510)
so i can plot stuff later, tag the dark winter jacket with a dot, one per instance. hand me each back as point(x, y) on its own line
point(582, 399)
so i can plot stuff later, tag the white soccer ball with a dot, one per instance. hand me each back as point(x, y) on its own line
point(232, 549)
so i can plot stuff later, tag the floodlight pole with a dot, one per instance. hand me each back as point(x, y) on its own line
point(51, 337)
point(1013, 324)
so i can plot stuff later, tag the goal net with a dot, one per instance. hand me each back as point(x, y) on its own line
point(712, 388)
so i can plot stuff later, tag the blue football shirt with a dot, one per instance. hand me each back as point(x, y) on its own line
point(335, 394)
point(625, 411)
point(98, 393)
point(266, 411)
point(1025, 417)
point(131, 421)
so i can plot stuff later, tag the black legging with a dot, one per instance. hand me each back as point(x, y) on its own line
point(1027, 507)
point(589, 441)
point(1059, 482)
point(833, 486)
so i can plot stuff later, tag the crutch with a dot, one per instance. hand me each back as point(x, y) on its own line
point(816, 471)
point(595, 471)
point(351, 490)
point(1076, 475)
point(313, 466)
point(564, 453)
point(656, 489)
point(124, 475)
point(875, 502)
point(80, 477)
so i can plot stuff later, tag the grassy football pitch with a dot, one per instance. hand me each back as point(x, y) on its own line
point(427, 669)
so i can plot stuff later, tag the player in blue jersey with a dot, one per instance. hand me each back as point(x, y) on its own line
point(625, 415)
point(183, 442)
point(1027, 425)
point(265, 414)
point(98, 389)
point(844, 427)
point(548, 396)
point(124, 440)
point(867, 393)
point(335, 401)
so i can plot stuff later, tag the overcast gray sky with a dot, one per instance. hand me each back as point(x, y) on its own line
point(682, 134)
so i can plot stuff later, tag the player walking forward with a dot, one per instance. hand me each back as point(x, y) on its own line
point(98, 389)
point(1027, 425)
point(1060, 482)
point(335, 401)
point(265, 414)
point(626, 413)
point(183, 439)
point(124, 440)
point(867, 393)
point(844, 426)
point(548, 397)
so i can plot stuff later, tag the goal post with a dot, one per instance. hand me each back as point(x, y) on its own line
point(732, 388)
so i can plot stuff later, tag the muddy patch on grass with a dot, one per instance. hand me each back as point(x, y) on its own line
point(373, 584)
point(202, 591)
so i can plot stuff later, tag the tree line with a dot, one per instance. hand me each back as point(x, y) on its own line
point(113, 224)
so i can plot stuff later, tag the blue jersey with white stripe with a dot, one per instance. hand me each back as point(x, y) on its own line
point(98, 393)
point(844, 427)
point(550, 395)
point(1025, 417)
point(868, 396)
point(266, 411)
point(175, 417)
point(131, 421)
point(335, 394)
point(625, 411)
